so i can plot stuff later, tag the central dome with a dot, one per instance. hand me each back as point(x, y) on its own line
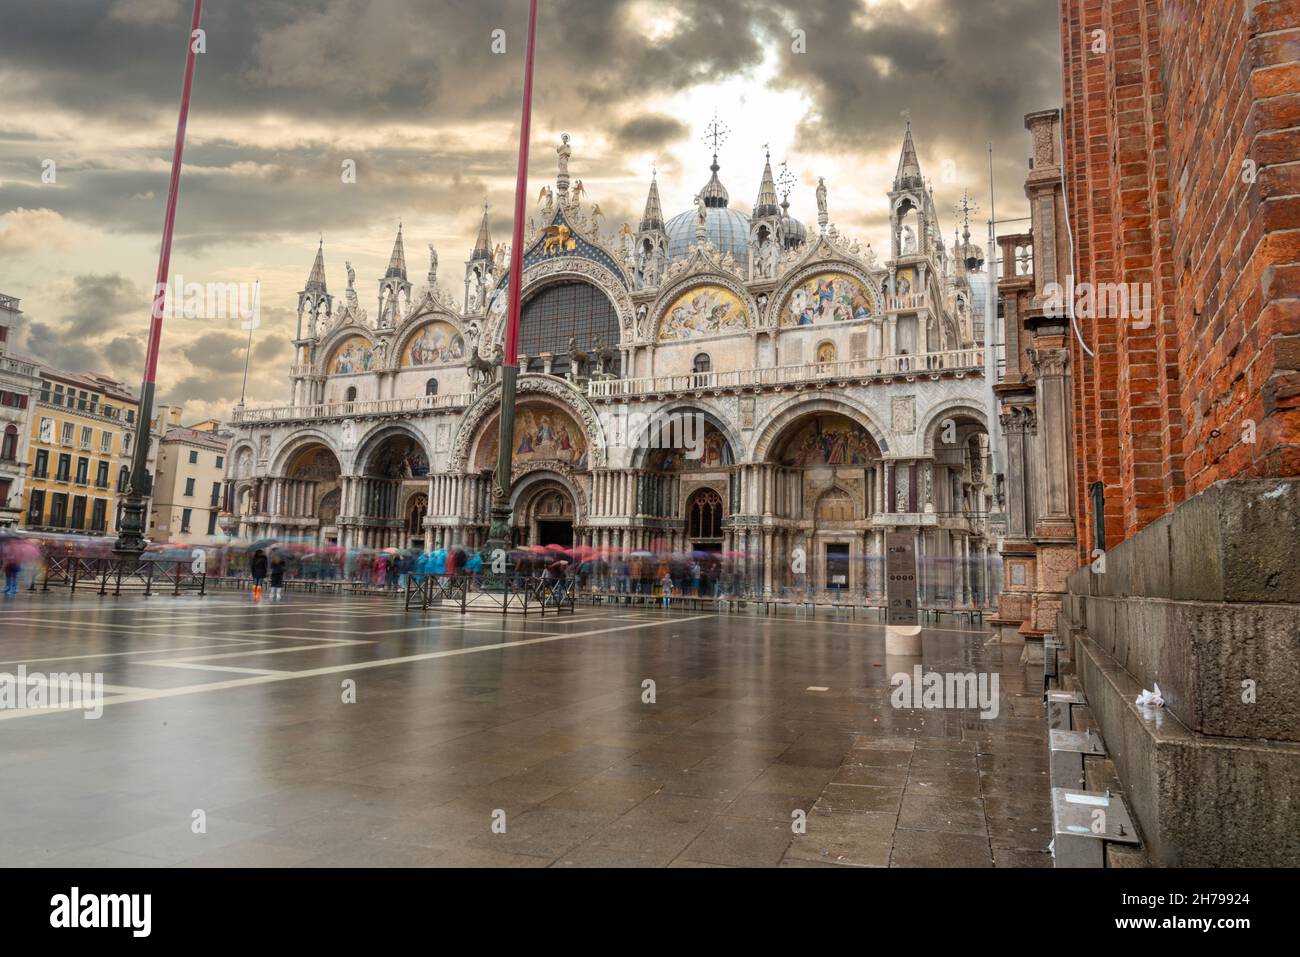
point(726, 228)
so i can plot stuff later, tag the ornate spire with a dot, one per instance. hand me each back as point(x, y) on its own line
point(714, 193)
point(766, 204)
point(653, 217)
point(964, 208)
point(397, 261)
point(316, 281)
point(909, 166)
point(483, 245)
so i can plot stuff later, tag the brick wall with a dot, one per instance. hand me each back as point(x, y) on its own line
point(1160, 126)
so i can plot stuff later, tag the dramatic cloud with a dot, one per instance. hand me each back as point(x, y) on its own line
point(652, 130)
point(32, 230)
point(420, 97)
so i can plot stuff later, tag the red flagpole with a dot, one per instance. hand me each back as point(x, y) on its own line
point(169, 217)
point(499, 533)
point(131, 538)
point(521, 198)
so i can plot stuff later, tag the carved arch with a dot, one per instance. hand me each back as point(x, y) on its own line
point(294, 443)
point(489, 401)
point(963, 407)
point(681, 285)
point(777, 423)
point(798, 277)
point(564, 269)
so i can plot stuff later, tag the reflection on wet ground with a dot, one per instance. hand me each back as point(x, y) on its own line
point(345, 732)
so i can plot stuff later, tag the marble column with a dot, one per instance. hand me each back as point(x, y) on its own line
point(1051, 360)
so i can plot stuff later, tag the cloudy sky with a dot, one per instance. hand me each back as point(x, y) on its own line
point(412, 91)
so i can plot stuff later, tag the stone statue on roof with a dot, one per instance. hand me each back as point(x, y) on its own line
point(564, 151)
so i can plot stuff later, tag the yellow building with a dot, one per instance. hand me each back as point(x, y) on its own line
point(82, 427)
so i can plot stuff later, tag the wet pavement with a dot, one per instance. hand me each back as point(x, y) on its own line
point(326, 731)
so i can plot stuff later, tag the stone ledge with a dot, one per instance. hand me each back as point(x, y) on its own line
point(1199, 800)
point(1233, 542)
point(1200, 653)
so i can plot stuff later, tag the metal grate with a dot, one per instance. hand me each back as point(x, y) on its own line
point(560, 311)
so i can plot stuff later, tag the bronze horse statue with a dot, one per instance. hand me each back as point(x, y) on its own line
point(578, 360)
point(483, 371)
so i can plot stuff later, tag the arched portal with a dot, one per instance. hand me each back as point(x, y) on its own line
point(955, 486)
point(825, 471)
point(686, 480)
point(309, 493)
point(545, 513)
point(396, 468)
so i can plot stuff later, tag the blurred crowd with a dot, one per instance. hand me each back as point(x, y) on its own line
point(268, 563)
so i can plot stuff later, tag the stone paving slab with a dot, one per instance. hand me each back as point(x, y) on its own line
point(541, 728)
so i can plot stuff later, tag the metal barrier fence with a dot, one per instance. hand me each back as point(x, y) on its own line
point(115, 575)
point(491, 593)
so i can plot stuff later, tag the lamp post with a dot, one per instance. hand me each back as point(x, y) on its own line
point(130, 538)
point(499, 532)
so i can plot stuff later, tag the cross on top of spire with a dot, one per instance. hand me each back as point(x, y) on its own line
point(964, 209)
point(716, 134)
point(785, 180)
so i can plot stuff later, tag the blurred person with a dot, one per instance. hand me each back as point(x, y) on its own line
point(666, 583)
point(257, 571)
point(11, 559)
point(277, 578)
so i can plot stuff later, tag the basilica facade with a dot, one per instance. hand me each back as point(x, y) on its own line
point(837, 396)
